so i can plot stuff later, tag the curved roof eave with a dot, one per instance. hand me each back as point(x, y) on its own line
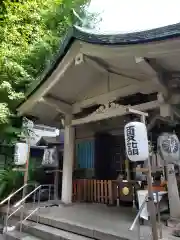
point(155, 34)
point(90, 36)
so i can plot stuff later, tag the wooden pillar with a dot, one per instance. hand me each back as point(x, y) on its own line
point(173, 194)
point(165, 108)
point(56, 179)
point(68, 160)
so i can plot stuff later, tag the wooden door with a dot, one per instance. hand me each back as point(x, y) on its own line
point(103, 156)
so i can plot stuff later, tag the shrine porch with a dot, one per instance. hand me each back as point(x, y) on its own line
point(96, 221)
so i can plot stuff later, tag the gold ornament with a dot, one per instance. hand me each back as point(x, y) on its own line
point(125, 191)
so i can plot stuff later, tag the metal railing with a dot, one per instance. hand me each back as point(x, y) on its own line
point(12, 194)
point(137, 218)
point(20, 205)
point(8, 200)
point(27, 196)
point(138, 214)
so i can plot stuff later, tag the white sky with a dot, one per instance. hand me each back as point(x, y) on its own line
point(125, 16)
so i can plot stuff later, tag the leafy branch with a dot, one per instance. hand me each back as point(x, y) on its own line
point(30, 35)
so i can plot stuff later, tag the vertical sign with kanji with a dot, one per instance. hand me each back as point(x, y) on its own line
point(131, 141)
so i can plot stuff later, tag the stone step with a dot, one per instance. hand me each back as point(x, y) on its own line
point(99, 231)
point(82, 230)
point(50, 233)
point(16, 235)
point(61, 230)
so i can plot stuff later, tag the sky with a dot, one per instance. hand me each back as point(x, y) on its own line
point(125, 16)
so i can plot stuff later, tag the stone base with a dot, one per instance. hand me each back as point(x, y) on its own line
point(173, 222)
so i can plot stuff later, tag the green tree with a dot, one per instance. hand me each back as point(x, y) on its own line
point(31, 32)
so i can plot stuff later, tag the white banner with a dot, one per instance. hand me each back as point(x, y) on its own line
point(50, 157)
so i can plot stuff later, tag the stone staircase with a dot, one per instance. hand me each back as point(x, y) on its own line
point(42, 232)
point(39, 231)
point(64, 223)
point(53, 229)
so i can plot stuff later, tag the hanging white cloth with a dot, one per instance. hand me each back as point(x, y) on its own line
point(50, 157)
point(141, 197)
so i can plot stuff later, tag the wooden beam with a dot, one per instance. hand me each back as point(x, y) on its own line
point(57, 104)
point(156, 118)
point(115, 112)
point(51, 81)
point(168, 108)
point(95, 65)
point(151, 68)
point(104, 68)
point(175, 99)
point(153, 49)
point(113, 95)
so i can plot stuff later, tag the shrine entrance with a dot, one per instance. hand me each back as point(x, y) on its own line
point(93, 82)
point(102, 169)
point(109, 156)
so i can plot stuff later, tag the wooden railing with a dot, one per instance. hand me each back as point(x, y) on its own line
point(97, 191)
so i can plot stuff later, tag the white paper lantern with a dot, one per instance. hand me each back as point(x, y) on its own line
point(136, 141)
point(21, 153)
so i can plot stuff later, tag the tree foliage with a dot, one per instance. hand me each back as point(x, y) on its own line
point(30, 35)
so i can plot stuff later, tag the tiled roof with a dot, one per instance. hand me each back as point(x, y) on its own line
point(88, 36)
point(128, 38)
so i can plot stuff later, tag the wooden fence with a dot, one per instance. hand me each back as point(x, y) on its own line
point(97, 191)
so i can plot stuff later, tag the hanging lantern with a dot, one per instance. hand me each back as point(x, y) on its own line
point(136, 141)
point(20, 153)
point(168, 145)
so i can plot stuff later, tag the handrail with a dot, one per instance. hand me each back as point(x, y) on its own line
point(35, 210)
point(15, 211)
point(20, 205)
point(28, 195)
point(138, 214)
point(12, 194)
point(38, 207)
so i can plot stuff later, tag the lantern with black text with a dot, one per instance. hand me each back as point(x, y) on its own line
point(136, 141)
point(21, 153)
